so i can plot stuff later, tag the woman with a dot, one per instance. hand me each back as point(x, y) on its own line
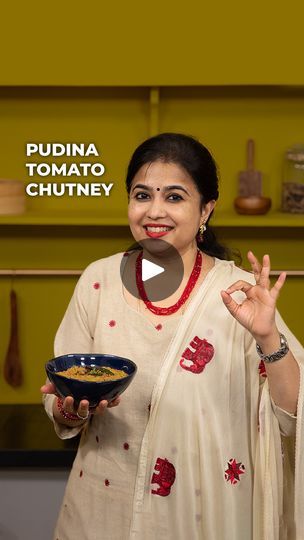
point(194, 448)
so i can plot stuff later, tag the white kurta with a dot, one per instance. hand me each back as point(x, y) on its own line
point(194, 464)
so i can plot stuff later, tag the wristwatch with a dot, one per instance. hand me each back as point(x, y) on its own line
point(277, 355)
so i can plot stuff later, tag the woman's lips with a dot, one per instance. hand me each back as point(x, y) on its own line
point(156, 234)
point(157, 231)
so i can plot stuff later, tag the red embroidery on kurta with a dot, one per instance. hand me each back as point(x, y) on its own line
point(262, 369)
point(200, 354)
point(107, 483)
point(126, 446)
point(112, 323)
point(164, 477)
point(159, 326)
point(80, 474)
point(234, 471)
point(96, 285)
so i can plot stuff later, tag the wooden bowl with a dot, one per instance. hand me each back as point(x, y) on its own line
point(252, 205)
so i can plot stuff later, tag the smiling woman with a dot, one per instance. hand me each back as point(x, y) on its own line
point(164, 211)
point(191, 179)
point(208, 412)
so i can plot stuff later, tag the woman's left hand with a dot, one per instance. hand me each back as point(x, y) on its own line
point(257, 312)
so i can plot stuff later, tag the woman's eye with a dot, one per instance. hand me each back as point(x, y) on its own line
point(175, 197)
point(141, 195)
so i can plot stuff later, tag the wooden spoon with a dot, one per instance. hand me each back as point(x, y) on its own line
point(12, 364)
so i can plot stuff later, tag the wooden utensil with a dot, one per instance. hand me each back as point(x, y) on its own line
point(252, 205)
point(12, 365)
point(250, 181)
point(250, 200)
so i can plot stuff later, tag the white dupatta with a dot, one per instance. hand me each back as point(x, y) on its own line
point(199, 435)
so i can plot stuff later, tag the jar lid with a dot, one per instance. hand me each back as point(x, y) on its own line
point(295, 153)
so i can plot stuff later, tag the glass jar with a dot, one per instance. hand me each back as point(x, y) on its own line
point(293, 180)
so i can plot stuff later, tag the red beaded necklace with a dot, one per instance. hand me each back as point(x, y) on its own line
point(185, 295)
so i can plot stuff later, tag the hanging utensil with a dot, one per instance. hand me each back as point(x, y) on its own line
point(12, 364)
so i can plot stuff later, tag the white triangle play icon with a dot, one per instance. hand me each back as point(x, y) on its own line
point(149, 270)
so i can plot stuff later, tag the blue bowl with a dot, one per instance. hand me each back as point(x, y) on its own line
point(94, 392)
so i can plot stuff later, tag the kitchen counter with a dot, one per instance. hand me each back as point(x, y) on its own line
point(28, 439)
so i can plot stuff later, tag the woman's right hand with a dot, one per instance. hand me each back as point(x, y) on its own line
point(83, 410)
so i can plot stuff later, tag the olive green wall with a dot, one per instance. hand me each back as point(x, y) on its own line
point(114, 85)
point(151, 43)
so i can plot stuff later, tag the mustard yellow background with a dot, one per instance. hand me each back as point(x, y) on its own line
point(137, 43)
point(113, 74)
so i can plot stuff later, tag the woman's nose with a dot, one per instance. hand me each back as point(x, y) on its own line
point(156, 208)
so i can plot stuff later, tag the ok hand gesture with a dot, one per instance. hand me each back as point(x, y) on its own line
point(257, 312)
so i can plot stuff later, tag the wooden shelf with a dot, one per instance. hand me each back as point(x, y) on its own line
point(96, 218)
point(60, 217)
point(272, 219)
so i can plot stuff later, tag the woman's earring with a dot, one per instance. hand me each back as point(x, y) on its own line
point(200, 234)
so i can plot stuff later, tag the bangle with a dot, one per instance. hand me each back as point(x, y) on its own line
point(65, 414)
point(276, 355)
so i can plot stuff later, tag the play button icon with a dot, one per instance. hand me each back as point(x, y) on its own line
point(154, 265)
point(150, 269)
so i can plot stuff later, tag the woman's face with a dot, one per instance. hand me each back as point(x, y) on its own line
point(165, 203)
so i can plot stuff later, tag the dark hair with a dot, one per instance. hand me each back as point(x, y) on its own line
point(199, 164)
